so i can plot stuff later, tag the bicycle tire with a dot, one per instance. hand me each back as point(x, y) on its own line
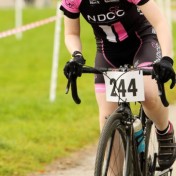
point(112, 128)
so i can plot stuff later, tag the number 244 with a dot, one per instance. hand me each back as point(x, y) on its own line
point(131, 88)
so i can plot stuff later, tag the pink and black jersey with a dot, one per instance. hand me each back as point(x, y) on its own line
point(111, 20)
point(123, 34)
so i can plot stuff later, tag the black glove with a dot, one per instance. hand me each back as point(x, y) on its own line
point(74, 66)
point(164, 70)
point(78, 57)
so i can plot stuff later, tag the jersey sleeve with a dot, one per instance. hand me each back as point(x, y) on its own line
point(70, 8)
point(138, 2)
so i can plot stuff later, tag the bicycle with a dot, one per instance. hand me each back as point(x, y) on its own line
point(120, 123)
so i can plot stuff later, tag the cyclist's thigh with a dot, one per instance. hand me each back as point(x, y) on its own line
point(151, 90)
point(108, 59)
point(148, 52)
point(105, 108)
point(112, 55)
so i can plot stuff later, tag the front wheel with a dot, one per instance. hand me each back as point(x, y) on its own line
point(113, 154)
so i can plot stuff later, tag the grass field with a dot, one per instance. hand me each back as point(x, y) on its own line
point(34, 131)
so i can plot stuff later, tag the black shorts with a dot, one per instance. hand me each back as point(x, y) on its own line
point(135, 50)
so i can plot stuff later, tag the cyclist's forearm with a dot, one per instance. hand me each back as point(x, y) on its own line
point(165, 40)
point(73, 43)
point(72, 34)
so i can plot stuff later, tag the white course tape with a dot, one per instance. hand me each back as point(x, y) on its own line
point(28, 26)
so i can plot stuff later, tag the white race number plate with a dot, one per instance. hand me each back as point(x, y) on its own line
point(124, 86)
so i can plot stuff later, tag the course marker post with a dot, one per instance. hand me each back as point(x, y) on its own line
point(55, 62)
point(18, 16)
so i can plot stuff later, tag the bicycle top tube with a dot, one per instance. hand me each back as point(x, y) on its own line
point(101, 70)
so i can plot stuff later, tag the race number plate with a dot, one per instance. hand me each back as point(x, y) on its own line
point(124, 86)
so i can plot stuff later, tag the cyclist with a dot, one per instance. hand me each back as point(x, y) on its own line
point(131, 32)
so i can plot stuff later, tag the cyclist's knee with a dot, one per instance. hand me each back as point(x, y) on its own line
point(104, 113)
point(151, 102)
point(105, 108)
point(152, 98)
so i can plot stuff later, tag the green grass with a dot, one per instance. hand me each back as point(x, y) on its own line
point(34, 131)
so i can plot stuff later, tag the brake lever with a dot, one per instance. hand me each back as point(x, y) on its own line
point(72, 83)
point(162, 93)
point(68, 83)
point(161, 88)
point(68, 86)
point(74, 91)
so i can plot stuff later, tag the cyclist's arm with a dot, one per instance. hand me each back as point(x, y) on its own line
point(72, 34)
point(158, 21)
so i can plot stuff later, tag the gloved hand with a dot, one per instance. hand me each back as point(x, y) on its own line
point(73, 67)
point(164, 70)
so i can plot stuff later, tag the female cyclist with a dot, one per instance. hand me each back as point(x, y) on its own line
point(131, 32)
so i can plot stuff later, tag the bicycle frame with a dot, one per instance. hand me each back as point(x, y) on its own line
point(128, 119)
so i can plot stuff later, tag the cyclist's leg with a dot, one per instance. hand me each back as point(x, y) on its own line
point(165, 132)
point(153, 107)
point(106, 109)
point(114, 57)
point(148, 52)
